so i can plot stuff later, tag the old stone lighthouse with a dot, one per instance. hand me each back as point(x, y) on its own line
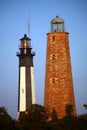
point(58, 79)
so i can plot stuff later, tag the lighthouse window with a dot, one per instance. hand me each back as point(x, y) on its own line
point(22, 44)
point(55, 27)
point(53, 38)
point(60, 28)
point(25, 45)
point(52, 57)
point(22, 90)
point(53, 80)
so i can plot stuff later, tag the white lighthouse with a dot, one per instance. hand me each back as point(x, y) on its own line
point(26, 89)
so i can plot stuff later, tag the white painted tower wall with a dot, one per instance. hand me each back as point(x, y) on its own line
point(32, 85)
point(22, 105)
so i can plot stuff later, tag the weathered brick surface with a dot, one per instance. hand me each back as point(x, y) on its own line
point(58, 79)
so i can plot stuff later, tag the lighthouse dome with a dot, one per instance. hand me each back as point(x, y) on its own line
point(57, 20)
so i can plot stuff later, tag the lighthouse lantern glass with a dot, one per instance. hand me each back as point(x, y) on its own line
point(25, 43)
point(57, 27)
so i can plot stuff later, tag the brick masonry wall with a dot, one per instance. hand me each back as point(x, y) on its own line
point(58, 79)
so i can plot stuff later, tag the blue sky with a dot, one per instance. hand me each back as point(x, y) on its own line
point(14, 17)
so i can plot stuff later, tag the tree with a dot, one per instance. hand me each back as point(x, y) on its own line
point(54, 115)
point(6, 122)
point(69, 110)
point(82, 122)
point(68, 122)
point(34, 117)
point(85, 106)
point(36, 112)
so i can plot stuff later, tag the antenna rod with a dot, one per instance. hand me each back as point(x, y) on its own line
point(28, 27)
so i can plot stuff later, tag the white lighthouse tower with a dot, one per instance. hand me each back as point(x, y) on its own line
point(26, 90)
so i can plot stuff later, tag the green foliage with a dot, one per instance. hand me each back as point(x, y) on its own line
point(34, 113)
point(82, 122)
point(35, 118)
point(54, 115)
point(69, 110)
point(68, 122)
point(6, 122)
point(85, 106)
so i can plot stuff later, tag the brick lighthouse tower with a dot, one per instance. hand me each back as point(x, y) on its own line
point(58, 79)
point(26, 91)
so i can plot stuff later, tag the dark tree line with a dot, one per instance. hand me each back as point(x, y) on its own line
point(6, 122)
point(36, 118)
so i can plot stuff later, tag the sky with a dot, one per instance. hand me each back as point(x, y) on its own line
point(14, 17)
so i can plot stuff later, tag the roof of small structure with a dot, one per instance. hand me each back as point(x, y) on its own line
point(57, 20)
point(25, 37)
